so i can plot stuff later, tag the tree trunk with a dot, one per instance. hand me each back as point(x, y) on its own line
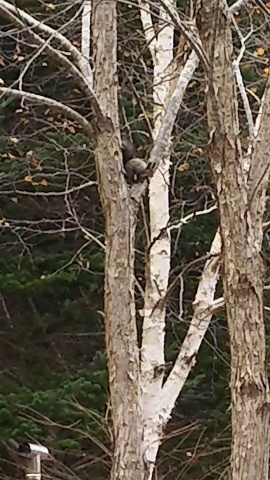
point(241, 233)
point(120, 321)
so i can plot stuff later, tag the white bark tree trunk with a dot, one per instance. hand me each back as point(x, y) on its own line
point(158, 264)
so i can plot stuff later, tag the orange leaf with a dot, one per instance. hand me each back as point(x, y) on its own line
point(44, 182)
point(184, 167)
point(28, 179)
point(260, 51)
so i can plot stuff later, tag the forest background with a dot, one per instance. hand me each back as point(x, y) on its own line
point(54, 386)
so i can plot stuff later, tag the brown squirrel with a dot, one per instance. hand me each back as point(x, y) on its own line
point(136, 168)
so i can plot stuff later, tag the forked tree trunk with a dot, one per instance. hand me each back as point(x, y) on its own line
point(241, 206)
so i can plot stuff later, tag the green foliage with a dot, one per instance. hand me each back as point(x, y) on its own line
point(49, 274)
point(75, 402)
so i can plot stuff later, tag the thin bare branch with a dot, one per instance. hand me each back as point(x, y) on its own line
point(61, 39)
point(189, 31)
point(49, 194)
point(237, 5)
point(190, 217)
point(59, 58)
point(240, 83)
point(54, 104)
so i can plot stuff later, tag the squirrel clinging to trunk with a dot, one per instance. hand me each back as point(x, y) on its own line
point(136, 168)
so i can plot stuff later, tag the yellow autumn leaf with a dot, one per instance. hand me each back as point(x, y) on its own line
point(44, 182)
point(184, 167)
point(28, 179)
point(254, 89)
point(197, 150)
point(266, 72)
point(260, 51)
point(267, 5)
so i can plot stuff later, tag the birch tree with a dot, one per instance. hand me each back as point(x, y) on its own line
point(141, 398)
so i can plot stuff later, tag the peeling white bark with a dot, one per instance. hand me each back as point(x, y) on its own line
point(159, 259)
point(85, 41)
point(148, 28)
point(158, 268)
point(199, 324)
point(159, 401)
point(160, 219)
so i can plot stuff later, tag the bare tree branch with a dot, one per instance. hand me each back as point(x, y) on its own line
point(203, 304)
point(49, 194)
point(41, 100)
point(190, 217)
point(59, 57)
point(237, 5)
point(189, 31)
point(61, 39)
point(240, 83)
point(166, 128)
